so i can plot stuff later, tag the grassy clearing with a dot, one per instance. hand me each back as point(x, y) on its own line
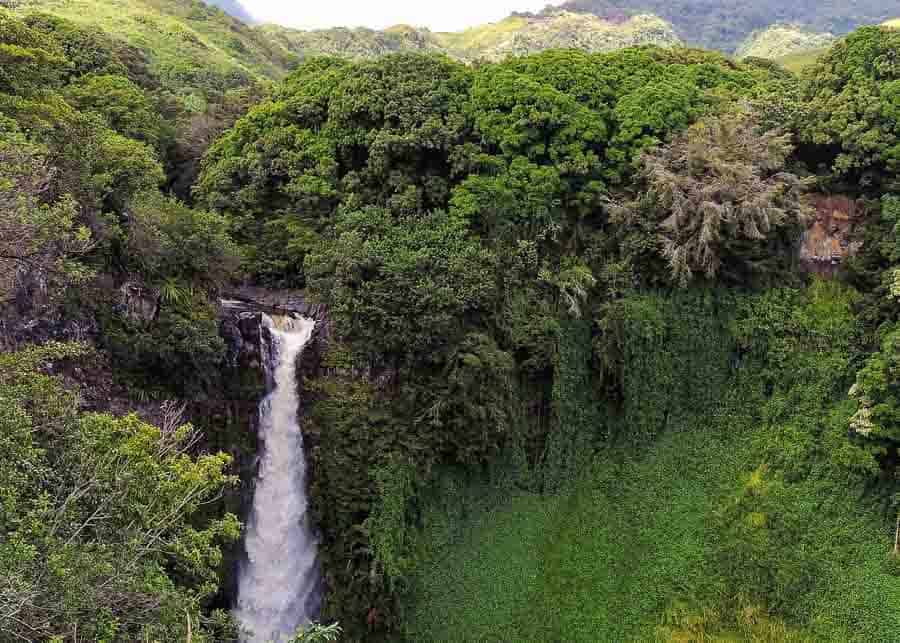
point(796, 63)
point(779, 41)
point(600, 563)
point(630, 555)
point(481, 37)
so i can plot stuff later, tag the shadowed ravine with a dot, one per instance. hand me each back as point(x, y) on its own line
point(278, 582)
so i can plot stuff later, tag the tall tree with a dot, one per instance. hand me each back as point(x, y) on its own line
point(720, 194)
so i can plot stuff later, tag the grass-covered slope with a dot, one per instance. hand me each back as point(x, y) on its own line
point(779, 41)
point(484, 37)
point(189, 43)
point(558, 30)
point(793, 48)
point(799, 61)
point(492, 41)
point(623, 558)
point(742, 522)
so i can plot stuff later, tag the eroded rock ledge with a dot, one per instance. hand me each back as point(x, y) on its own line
point(829, 240)
point(273, 301)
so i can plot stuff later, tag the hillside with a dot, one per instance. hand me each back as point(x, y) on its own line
point(725, 24)
point(189, 44)
point(558, 30)
point(233, 8)
point(803, 58)
point(515, 35)
point(550, 347)
point(798, 62)
point(779, 41)
point(359, 43)
point(192, 44)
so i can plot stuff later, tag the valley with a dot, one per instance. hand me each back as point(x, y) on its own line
point(582, 325)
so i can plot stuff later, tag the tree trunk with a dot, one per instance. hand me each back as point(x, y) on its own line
point(897, 537)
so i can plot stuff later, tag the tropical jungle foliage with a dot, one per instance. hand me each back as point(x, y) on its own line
point(571, 384)
point(541, 269)
point(105, 532)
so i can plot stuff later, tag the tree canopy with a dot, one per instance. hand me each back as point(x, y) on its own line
point(563, 284)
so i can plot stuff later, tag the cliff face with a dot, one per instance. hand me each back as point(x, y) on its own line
point(829, 239)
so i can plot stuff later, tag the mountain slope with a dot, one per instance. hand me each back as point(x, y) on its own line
point(516, 35)
point(189, 45)
point(359, 43)
point(779, 41)
point(233, 8)
point(724, 24)
point(558, 30)
point(799, 61)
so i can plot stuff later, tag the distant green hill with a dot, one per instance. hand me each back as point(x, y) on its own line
point(799, 60)
point(562, 29)
point(352, 43)
point(725, 24)
point(779, 41)
point(516, 35)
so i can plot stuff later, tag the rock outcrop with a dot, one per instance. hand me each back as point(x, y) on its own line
point(279, 302)
point(138, 302)
point(829, 240)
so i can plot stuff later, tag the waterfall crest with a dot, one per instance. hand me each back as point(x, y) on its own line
point(278, 583)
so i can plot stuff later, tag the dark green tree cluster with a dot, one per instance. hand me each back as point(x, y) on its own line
point(103, 537)
point(851, 116)
point(457, 222)
point(84, 141)
point(105, 532)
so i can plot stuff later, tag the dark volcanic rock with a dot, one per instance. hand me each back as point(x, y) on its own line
point(829, 239)
point(274, 301)
point(138, 302)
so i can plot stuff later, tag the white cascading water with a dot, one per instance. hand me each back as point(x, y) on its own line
point(278, 583)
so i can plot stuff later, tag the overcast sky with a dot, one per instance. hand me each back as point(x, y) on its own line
point(437, 15)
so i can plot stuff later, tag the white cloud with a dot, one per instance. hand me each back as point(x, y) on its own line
point(437, 15)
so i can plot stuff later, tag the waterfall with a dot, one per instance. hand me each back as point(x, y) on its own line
point(278, 583)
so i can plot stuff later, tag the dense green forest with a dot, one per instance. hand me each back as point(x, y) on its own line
point(584, 381)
